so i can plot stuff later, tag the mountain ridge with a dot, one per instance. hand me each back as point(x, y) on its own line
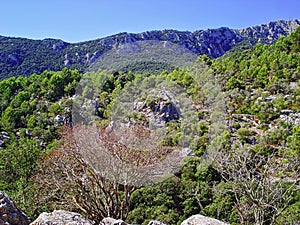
point(22, 56)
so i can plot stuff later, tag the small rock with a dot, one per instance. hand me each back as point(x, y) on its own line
point(111, 221)
point(59, 119)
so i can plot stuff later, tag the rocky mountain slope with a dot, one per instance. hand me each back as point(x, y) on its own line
point(20, 56)
point(10, 214)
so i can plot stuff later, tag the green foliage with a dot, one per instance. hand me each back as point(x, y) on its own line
point(292, 214)
point(222, 206)
point(181, 77)
point(18, 163)
point(294, 142)
point(28, 108)
point(177, 198)
point(147, 67)
point(244, 133)
point(233, 83)
point(258, 66)
point(156, 201)
point(19, 160)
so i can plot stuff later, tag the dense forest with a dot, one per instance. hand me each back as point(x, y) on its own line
point(246, 140)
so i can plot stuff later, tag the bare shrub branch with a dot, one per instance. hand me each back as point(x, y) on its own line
point(261, 195)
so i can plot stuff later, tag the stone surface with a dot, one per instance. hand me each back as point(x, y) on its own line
point(290, 118)
point(61, 217)
point(4, 137)
point(159, 110)
point(111, 221)
point(202, 220)
point(9, 212)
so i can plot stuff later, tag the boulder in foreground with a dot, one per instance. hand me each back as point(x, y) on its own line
point(61, 217)
point(202, 220)
point(9, 212)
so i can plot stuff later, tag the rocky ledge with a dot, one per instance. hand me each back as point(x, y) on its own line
point(11, 215)
point(61, 217)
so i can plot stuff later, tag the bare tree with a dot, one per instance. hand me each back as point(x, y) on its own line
point(261, 195)
point(96, 170)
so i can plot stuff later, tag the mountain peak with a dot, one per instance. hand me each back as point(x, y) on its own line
point(271, 31)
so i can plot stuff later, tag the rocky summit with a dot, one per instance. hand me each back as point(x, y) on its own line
point(20, 56)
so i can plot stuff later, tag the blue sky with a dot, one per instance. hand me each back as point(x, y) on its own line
point(81, 20)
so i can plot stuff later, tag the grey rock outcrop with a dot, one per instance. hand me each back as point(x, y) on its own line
point(111, 221)
point(267, 33)
point(60, 217)
point(160, 109)
point(202, 220)
point(9, 212)
point(290, 118)
point(4, 137)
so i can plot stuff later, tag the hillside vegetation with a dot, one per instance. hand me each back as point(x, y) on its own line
point(245, 169)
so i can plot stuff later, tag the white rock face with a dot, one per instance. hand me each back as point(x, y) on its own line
point(60, 217)
point(202, 220)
